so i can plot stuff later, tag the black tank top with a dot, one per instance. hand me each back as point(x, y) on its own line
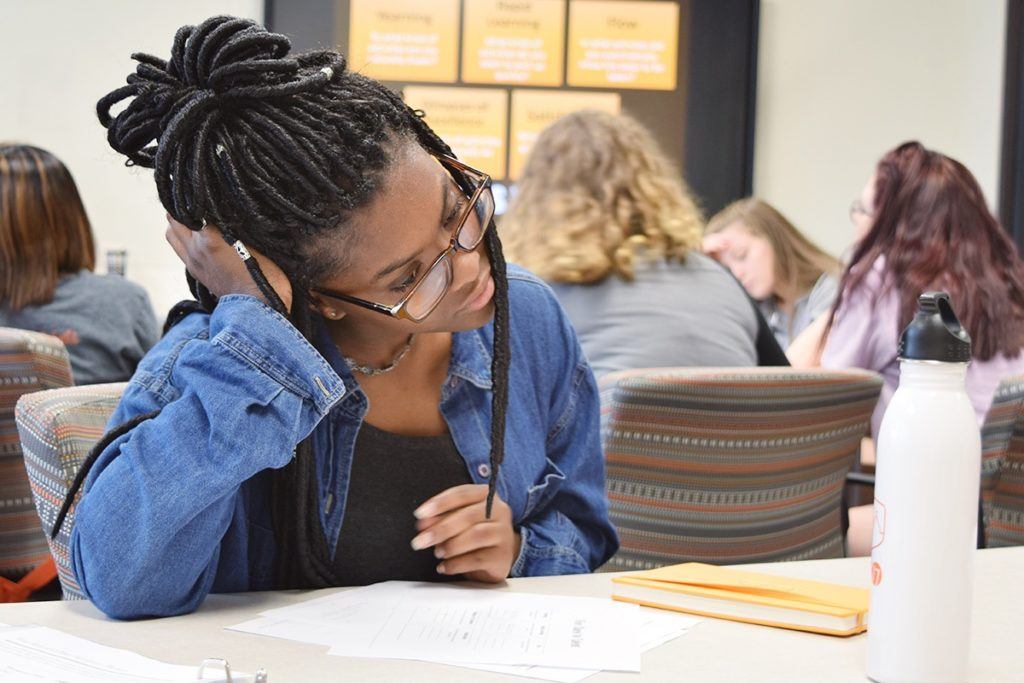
point(391, 476)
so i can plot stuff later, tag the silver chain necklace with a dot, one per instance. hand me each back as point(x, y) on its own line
point(372, 371)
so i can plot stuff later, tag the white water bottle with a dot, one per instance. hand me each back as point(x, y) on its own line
point(926, 507)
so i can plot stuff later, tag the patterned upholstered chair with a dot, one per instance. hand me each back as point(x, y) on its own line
point(58, 429)
point(730, 466)
point(29, 361)
point(1002, 466)
point(1001, 517)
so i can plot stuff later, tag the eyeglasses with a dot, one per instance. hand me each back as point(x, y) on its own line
point(426, 293)
point(857, 207)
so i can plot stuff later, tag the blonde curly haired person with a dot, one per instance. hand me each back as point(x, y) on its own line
point(604, 217)
point(613, 195)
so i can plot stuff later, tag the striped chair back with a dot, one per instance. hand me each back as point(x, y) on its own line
point(29, 361)
point(58, 429)
point(1002, 466)
point(731, 466)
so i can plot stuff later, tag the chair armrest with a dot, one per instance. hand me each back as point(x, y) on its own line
point(860, 478)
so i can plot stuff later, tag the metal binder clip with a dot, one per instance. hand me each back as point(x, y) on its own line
point(214, 661)
point(222, 664)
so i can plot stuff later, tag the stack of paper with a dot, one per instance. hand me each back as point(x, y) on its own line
point(558, 638)
point(37, 654)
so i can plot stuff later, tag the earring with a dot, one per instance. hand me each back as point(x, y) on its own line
point(331, 313)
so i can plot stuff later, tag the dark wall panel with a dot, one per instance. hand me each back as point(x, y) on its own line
point(1011, 182)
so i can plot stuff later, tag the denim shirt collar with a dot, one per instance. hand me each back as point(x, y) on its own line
point(470, 359)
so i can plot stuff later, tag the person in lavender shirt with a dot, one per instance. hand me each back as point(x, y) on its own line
point(922, 224)
point(925, 225)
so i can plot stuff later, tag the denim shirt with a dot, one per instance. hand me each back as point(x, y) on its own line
point(180, 505)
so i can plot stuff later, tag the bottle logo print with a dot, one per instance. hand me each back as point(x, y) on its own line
point(877, 538)
point(878, 527)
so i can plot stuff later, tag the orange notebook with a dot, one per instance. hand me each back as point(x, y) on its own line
point(751, 597)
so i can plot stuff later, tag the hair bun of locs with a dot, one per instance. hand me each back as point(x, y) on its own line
point(224, 66)
point(212, 117)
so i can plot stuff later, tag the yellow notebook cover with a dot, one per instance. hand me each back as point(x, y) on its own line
point(750, 597)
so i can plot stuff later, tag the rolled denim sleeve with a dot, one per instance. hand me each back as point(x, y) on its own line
point(570, 532)
point(233, 402)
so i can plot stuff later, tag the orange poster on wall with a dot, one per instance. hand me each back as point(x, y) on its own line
point(513, 41)
point(533, 110)
point(623, 44)
point(404, 40)
point(473, 122)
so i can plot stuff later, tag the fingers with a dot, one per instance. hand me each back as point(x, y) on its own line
point(449, 525)
point(181, 237)
point(454, 522)
point(194, 247)
point(187, 234)
point(480, 565)
point(216, 264)
point(715, 244)
point(176, 240)
point(476, 537)
point(451, 499)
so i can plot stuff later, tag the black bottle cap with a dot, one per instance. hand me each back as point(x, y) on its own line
point(935, 333)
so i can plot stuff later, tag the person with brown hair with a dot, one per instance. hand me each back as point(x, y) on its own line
point(47, 282)
point(601, 214)
point(923, 224)
point(793, 280)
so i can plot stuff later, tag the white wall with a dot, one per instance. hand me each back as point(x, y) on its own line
point(57, 57)
point(840, 82)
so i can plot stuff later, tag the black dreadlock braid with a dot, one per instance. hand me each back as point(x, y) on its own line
point(501, 354)
point(100, 446)
point(277, 151)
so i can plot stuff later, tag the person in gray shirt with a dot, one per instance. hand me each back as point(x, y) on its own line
point(672, 314)
point(603, 217)
point(793, 280)
point(46, 281)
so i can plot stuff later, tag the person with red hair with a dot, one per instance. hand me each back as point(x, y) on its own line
point(923, 225)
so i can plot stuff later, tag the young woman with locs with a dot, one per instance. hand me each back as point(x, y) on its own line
point(338, 411)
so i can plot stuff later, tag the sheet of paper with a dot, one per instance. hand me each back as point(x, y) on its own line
point(474, 625)
point(657, 628)
point(459, 624)
point(37, 653)
point(344, 607)
point(301, 631)
point(352, 616)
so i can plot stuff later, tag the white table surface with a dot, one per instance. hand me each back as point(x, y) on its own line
point(714, 650)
